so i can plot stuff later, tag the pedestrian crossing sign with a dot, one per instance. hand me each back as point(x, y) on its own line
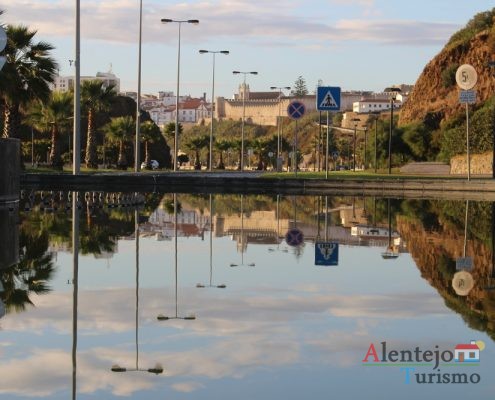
point(328, 98)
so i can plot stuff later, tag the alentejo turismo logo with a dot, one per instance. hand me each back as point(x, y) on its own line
point(409, 361)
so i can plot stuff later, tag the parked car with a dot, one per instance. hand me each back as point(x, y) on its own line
point(153, 164)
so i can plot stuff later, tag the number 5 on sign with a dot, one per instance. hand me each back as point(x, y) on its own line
point(466, 77)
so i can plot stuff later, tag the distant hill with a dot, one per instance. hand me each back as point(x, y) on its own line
point(434, 99)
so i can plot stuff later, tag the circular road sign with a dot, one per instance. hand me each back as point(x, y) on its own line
point(296, 109)
point(466, 77)
point(462, 283)
point(294, 237)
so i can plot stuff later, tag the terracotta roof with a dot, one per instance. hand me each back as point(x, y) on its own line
point(191, 104)
point(467, 347)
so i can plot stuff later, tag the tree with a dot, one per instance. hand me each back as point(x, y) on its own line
point(53, 115)
point(300, 88)
point(169, 133)
point(149, 134)
point(120, 130)
point(26, 75)
point(96, 97)
point(196, 144)
point(221, 146)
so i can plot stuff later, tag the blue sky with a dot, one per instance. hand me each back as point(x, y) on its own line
point(355, 44)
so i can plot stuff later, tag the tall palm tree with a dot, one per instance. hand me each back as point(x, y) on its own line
point(196, 144)
point(120, 130)
point(149, 134)
point(96, 97)
point(54, 116)
point(26, 75)
point(221, 146)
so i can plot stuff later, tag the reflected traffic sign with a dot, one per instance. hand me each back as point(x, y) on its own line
point(294, 237)
point(326, 253)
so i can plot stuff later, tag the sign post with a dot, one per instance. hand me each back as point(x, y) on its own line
point(328, 99)
point(466, 78)
point(295, 111)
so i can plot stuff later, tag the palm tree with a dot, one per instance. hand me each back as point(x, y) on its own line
point(120, 130)
point(54, 116)
point(196, 144)
point(149, 134)
point(26, 75)
point(260, 146)
point(169, 133)
point(96, 97)
point(221, 146)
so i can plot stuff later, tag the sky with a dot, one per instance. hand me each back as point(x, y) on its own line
point(354, 44)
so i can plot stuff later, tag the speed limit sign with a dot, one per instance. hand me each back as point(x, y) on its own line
point(466, 77)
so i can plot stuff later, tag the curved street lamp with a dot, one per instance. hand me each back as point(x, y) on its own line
point(176, 137)
point(279, 122)
point(243, 111)
point(213, 52)
point(392, 92)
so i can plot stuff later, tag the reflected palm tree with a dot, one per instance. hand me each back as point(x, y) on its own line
point(30, 275)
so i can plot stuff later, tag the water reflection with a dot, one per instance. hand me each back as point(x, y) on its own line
point(281, 329)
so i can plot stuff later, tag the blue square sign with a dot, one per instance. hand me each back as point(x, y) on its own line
point(328, 98)
point(326, 253)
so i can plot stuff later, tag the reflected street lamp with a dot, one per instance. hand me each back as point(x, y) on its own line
point(179, 22)
point(392, 91)
point(211, 285)
point(279, 122)
point(157, 369)
point(161, 317)
point(243, 112)
point(226, 52)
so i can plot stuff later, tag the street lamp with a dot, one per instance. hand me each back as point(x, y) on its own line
point(392, 91)
point(226, 52)
point(243, 112)
point(356, 121)
point(157, 369)
point(176, 138)
point(365, 144)
point(279, 88)
point(211, 285)
point(162, 317)
point(138, 98)
point(252, 264)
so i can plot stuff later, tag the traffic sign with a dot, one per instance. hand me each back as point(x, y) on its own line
point(464, 264)
point(466, 76)
point(462, 283)
point(326, 253)
point(328, 98)
point(296, 109)
point(467, 96)
point(294, 237)
point(3, 43)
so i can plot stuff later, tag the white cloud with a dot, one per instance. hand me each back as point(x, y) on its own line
point(117, 21)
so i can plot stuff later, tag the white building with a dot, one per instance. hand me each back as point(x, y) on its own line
point(66, 83)
point(366, 106)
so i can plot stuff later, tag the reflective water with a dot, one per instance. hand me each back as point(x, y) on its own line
point(203, 298)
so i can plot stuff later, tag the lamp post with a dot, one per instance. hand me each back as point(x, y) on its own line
point(392, 95)
point(365, 144)
point(162, 317)
point(213, 52)
point(279, 88)
point(138, 99)
point(243, 112)
point(376, 132)
point(252, 264)
point(176, 138)
point(211, 285)
point(157, 369)
point(356, 121)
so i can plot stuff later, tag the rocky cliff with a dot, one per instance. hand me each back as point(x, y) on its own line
point(435, 96)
